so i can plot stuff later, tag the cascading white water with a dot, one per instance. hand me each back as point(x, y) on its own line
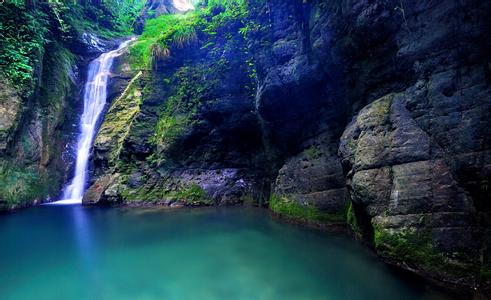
point(183, 5)
point(95, 95)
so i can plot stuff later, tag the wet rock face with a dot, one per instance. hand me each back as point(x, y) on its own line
point(294, 88)
point(102, 191)
point(34, 129)
point(417, 160)
point(213, 156)
point(10, 111)
point(404, 182)
point(314, 179)
point(381, 105)
point(222, 186)
point(414, 77)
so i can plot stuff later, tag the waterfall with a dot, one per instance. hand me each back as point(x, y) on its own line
point(183, 5)
point(95, 94)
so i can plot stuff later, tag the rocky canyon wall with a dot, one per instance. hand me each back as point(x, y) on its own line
point(372, 113)
point(368, 114)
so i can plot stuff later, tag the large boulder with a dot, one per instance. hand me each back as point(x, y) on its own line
point(311, 185)
point(406, 183)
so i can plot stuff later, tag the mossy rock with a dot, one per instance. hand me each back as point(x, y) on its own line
point(414, 250)
point(303, 212)
point(20, 185)
point(192, 195)
point(118, 120)
point(10, 112)
point(353, 222)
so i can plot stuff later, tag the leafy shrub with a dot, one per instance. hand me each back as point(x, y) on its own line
point(23, 35)
point(159, 35)
point(25, 32)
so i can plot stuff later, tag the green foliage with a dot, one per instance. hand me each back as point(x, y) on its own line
point(25, 32)
point(111, 18)
point(192, 86)
point(23, 35)
point(20, 184)
point(220, 26)
point(159, 35)
point(306, 212)
point(170, 126)
point(229, 27)
point(223, 4)
point(124, 13)
point(56, 80)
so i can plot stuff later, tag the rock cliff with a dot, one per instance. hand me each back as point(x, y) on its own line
point(373, 114)
point(42, 69)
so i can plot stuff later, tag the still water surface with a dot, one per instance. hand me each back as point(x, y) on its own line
point(71, 252)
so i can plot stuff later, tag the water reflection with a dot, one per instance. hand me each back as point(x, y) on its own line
point(72, 252)
point(87, 250)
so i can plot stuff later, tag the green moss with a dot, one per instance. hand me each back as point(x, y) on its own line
point(190, 93)
point(312, 152)
point(119, 118)
point(381, 108)
point(416, 249)
point(378, 113)
point(192, 195)
point(353, 221)
point(144, 193)
point(19, 185)
point(290, 208)
point(405, 245)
